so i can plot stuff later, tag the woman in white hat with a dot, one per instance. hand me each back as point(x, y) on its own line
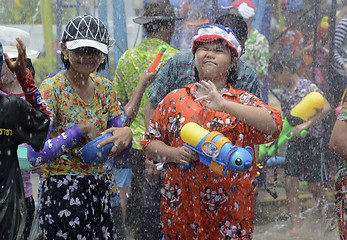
point(75, 197)
point(198, 203)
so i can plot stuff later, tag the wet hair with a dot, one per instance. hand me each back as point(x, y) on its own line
point(31, 67)
point(154, 27)
point(279, 60)
point(66, 63)
point(235, 23)
point(232, 71)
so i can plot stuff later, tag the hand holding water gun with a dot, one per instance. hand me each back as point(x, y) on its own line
point(292, 125)
point(215, 151)
point(285, 136)
point(157, 58)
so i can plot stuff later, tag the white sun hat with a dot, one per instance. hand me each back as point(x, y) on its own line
point(8, 37)
point(86, 31)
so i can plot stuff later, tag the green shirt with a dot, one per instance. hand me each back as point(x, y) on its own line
point(130, 67)
point(257, 52)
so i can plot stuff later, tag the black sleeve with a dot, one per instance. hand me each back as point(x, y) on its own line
point(32, 125)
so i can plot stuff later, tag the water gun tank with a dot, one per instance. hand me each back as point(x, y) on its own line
point(216, 150)
point(306, 108)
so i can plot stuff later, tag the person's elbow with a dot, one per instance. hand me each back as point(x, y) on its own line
point(332, 144)
point(274, 129)
point(326, 107)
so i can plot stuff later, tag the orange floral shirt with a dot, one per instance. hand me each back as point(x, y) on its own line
point(198, 203)
point(292, 42)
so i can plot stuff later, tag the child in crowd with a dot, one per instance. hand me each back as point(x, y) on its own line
point(302, 153)
point(186, 210)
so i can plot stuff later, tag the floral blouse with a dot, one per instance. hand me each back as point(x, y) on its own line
point(198, 203)
point(257, 52)
point(69, 109)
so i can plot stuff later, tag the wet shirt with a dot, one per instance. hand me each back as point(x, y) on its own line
point(19, 123)
point(198, 203)
point(178, 72)
point(340, 51)
point(131, 65)
point(28, 189)
point(341, 173)
point(257, 52)
point(292, 41)
point(69, 109)
point(290, 100)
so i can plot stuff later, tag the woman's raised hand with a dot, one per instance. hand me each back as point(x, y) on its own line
point(209, 96)
point(18, 67)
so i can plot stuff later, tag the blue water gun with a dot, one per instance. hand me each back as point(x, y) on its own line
point(215, 150)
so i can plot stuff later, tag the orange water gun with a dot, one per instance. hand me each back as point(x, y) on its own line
point(157, 58)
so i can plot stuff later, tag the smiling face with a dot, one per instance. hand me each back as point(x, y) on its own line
point(83, 60)
point(213, 60)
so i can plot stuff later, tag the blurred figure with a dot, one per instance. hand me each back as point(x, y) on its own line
point(303, 154)
point(322, 56)
point(257, 51)
point(338, 144)
point(158, 21)
point(340, 63)
point(30, 127)
point(292, 41)
point(193, 19)
point(9, 85)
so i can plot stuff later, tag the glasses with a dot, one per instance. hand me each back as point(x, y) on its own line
point(87, 51)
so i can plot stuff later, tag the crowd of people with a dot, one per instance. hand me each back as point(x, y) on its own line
point(148, 180)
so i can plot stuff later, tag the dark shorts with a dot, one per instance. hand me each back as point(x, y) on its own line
point(303, 158)
point(76, 207)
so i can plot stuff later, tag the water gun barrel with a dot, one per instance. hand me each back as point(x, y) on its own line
point(285, 136)
point(157, 58)
point(263, 151)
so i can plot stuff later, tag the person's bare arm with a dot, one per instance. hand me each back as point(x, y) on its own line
point(338, 139)
point(132, 107)
point(149, 112)
point(210, 97)
point(158, 151)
